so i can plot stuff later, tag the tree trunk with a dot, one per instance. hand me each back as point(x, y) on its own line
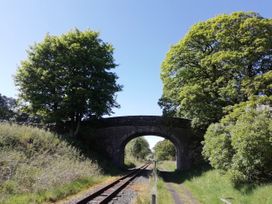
point(78, 122)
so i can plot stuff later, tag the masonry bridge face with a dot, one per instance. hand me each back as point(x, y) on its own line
point(112, 135)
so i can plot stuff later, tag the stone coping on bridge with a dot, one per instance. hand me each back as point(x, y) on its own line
point(139, 120)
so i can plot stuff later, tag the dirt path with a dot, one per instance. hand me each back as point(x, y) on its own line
point(174, 194)
point(180, 194)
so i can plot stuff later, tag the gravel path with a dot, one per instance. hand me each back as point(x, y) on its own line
point(77, 197)
point(127, 195)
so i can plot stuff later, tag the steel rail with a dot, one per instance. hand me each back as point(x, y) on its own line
point(123, 181)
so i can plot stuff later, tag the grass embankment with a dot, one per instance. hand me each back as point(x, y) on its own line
point(37, 166)
point(209, 186)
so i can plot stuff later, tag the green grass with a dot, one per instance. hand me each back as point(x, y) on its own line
point(37, 166)
point(163, 195)
point(212, 185)
point(166, 165)
point(208, 186)
point(54, 194)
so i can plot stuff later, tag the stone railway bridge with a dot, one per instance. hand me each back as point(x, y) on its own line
point(112, 135)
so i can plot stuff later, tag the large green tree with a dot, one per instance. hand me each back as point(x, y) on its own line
point(213, 66)
point(165, 150)
point(68, 78)
point(138, 148)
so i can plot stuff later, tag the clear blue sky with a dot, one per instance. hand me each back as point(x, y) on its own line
point(141, 31)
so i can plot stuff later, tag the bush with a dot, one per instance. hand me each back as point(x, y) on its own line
point(242, 144)
point(252, 143)
point(217, 148)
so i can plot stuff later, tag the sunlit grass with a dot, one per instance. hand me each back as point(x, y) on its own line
point(163, 195)
point(54, 194)
point(166, 165)
point(37, 166)
point(211, 186)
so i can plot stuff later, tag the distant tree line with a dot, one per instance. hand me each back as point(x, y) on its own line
point(10, 111)
point(7, 107)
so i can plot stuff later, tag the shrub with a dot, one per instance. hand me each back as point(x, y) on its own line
point(242, 144)
point(217, 148)
point(252, 143)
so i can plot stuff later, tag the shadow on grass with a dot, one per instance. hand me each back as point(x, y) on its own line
point(104, 162)
point(95, 154)
point(179, 177)
point(129, 165)
point(245, 188)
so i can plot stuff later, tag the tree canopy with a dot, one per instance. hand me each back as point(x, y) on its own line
point(7, 106)
point(68, 78)
point(138, 148)
point(214, 66)
point(165, 150)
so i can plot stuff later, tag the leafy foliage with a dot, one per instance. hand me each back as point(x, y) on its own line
point(7, 106)
point(242, 142)
point(68, 77)
point(217, 147)
point(165, 150)
point(137, 148)
point(213, 66)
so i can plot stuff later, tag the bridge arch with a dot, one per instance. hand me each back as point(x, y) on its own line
point(112, 134)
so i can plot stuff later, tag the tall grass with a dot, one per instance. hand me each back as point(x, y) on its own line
point(35, 161)
point(211, 186)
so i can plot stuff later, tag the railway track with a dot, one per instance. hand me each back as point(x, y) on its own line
point(107, 193)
